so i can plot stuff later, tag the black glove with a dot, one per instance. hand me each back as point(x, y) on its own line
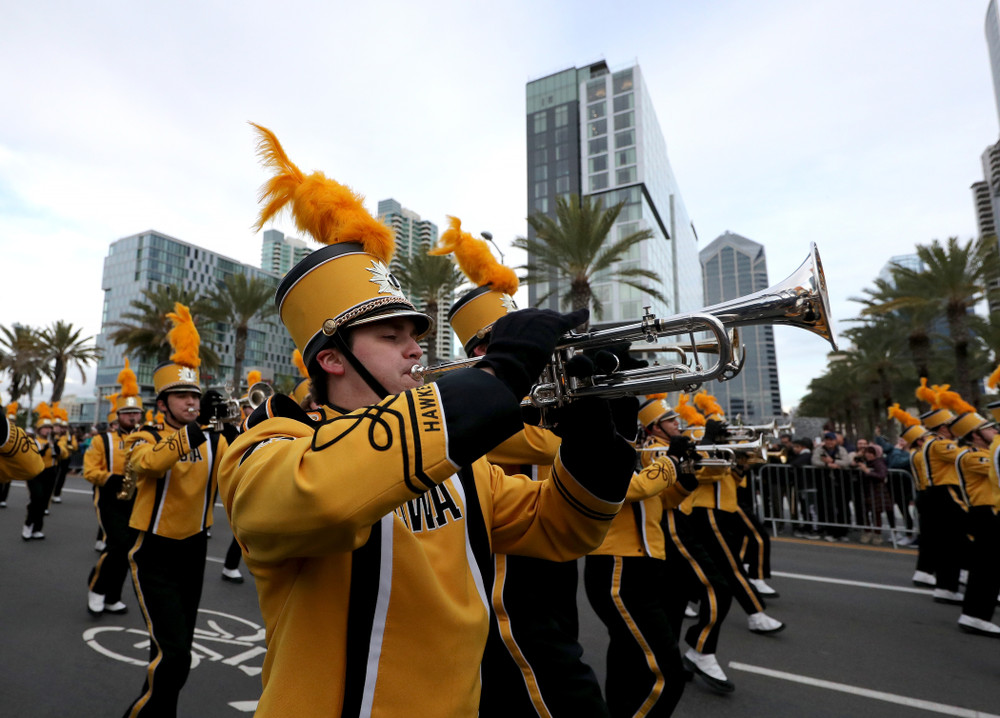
point(114, 483)
point(681, 447)
point(625, 414)
point(716, 432)
point(522, 342)
point(615, 357)
point(688, 481)
point(584, 419)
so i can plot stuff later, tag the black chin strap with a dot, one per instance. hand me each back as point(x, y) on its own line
point(371, 381)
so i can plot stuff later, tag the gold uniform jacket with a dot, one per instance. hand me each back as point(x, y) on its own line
point(19, 457)
point(940, 457)
point(99, 463)
point(370, 546)
point(716, 490)
point(52, 454)
point(918, 468)
point(176, 480)
point(532, 450)
point(979, 477)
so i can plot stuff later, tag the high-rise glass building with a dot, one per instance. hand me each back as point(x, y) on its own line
point(151, 259)
point(592, 131)
point(986, 193)
point(414, 235)
point(279, 253)
point(732, 267)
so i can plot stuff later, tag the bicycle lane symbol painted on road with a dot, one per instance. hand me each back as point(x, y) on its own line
point(218, 638)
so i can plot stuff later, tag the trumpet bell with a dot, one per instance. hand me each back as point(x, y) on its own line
point(259, 393)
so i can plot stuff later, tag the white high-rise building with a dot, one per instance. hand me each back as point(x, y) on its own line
point(279, 253)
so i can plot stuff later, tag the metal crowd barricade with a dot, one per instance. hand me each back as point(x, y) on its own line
point(811, 500)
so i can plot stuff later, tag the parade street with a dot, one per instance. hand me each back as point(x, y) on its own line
point(860, 639)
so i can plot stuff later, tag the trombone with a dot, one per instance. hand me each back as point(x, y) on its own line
point(800, 300)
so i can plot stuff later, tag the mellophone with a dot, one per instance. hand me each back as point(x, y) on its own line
point(800, 300)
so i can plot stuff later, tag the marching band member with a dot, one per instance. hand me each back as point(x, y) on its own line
point(533, 663)
point(628, 588)
point(394, 512)
point(64, 434)
point(104, 467)
point(175, 485)
point(19, 456)
point(947, 507)
point(915, 436)
point(40, 488)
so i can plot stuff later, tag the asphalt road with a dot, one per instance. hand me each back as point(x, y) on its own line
point(861, 640)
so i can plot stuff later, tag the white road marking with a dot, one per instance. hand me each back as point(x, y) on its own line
point(865, 692)
point(859, 584)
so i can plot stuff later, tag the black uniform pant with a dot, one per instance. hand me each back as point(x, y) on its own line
point(644, 671)
point(951, 543)
point(39, 491)
point(984, 568)
point(755, 547)
point(4, 490)
point(233, 554)
point(533, 662)
point(719, 532)
point(108, 575)
point(692, 574)
point(61, 477)
point(168, 575)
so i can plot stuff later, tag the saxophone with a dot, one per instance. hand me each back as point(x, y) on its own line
point(129, 477)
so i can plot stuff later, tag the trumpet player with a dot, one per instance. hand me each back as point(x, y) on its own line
point(532, 664)
point(104, 467)
point(40, 487)
point(174, 476)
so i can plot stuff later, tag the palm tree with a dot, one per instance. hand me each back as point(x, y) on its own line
point(874, 363)
point(143, 330)
point(22, 359)
point(62, 346)
point(914, 321)
point(575, 247)
point(954, 280)
point(427, 279)
point(238, 301)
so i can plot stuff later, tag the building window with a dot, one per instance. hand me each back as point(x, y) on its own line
point(625, 157)
point(598, 164)
point(622, 81)
point(596, 90)
point(562, 185)
point(542, 205)
point(596, 147)
point(562, 135)
point(540, 140)
point(596, 110)
point(625, 176)
point(562, 152)
point(541, 173)
point(624, 102)
point(541, 157)
point(598, 181)
point(624, 120)
point(562, 168)
point(562, 116)
point(624, 139)
point(599, 127)
point(541, 189)
point(540, 125)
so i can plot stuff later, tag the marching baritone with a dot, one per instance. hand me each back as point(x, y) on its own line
point(368, 524)
point(19, 457)
point(104, 467)
point(52, 452)
point(174, 475)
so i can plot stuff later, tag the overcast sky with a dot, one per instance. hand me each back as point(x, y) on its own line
point(854, 124)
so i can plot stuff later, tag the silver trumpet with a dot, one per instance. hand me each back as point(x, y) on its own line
point(800, 300)
point(259, 393)
point(717, 454)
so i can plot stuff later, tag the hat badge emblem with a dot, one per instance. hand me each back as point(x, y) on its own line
point(508, 303)
point(188, 374)
point(387, 283)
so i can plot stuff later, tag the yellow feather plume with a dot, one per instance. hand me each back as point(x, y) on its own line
point(326, 209)
point(12, 408)
point(475, 259)
point(654, 397)
point(953, 400)
point(687, 412)
point(126, 377)
point(44, 411)
point(902, 416)
point(159, 417)
point(253, 377)
point(994, 378)
point(149, 416)
point(301, 365)
point(58, 412)
point(708, 404)
point(184, 337)
point(927, 394)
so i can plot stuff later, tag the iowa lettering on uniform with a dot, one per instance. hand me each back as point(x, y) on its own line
point(192, 456)
point(430, 511)
point(428, 408)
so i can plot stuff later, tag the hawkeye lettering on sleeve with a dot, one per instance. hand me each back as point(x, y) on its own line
point(192, 456)
point(428, 408)
point(430, 511)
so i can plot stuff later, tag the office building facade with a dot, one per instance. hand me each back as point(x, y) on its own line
point(593, 131)
point(151, 259)
point(732, 267)
point(415, 235)
point(279, 253)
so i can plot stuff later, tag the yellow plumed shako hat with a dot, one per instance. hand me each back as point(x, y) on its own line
point(709, 406)
point(112, 399)
point(475, 312)
point(128, 398)
point(693, 419)
point(60, 417)
point(345, 283)
point(914, 429)
point(967, 419)
point(12, 411)
point(181, 372)
point(655, 408)
point(302, 387)
point(938, 414)
point(44, 415)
